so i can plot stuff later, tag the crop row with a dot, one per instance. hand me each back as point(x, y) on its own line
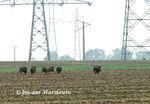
point(109, 87)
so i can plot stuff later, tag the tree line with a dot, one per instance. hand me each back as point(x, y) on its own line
point(99, 54)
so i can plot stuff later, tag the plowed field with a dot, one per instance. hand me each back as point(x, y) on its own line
point(76, 87)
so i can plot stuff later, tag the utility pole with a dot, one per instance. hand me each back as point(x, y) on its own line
point(14, 53)
point(84, 24)
point(83, 42)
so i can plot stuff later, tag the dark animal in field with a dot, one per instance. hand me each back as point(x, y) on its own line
point(59, 69)
point(50, 69)
point(33, 69)
point(45, 70)
point(22, 69)
point(97, 69)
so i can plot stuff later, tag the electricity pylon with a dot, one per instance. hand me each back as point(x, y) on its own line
point(136, 28)
point(39, 41)
point(52, 33)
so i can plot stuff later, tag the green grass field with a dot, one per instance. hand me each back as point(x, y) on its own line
point(15, 69)
point(106, 65)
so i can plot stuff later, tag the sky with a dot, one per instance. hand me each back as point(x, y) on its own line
point(105, 32)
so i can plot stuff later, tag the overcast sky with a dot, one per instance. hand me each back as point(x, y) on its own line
point(105, 16)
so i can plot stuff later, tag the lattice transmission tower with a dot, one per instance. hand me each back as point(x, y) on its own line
point(39, 40)
point(136, 33)
point(52, 33)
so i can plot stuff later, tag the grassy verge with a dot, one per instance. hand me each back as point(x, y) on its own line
point(8, 69)
point(13, 69)
point(108, 65)
point(127, 66)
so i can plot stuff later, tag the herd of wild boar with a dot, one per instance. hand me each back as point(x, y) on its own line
point(23, 69)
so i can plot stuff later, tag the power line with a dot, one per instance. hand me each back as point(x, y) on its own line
point(39, 41)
